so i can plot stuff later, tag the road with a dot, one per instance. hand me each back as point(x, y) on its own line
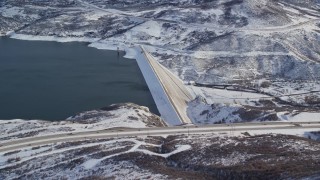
point(270, 127)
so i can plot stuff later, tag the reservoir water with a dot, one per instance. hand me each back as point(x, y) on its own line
point(52, 81)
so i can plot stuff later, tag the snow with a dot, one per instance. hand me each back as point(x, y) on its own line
point(297, 8)
point(94, 16)
point(217, 12)
point(293, 91)
point(24, 153)
point(28, 153)
point(107, 45)
point(294, 11)
point(130, 50)
point(301, 117)
point(202, 113)
point(180, 148)
point(90, 163)
point(212, 54)
point(226, 96)
point(11, 12)
point(58, 151)
point(151, 28)
point(131, 53)
point(9, 33)
point(111, 119)
point(219, 105)
point(102, 10)
point(51, 38)
point(294, 132)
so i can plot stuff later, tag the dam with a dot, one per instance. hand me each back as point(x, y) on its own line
point(168, 91)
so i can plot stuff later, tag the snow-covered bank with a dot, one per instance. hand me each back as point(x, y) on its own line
point(130, 51)
point(126, 115)
point(108, 45)
point(51, 38)
point(94, 42)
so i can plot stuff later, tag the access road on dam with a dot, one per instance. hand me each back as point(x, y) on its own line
point(169, 93)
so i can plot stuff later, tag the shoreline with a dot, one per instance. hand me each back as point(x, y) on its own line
point(51, 38)
point(93, 42)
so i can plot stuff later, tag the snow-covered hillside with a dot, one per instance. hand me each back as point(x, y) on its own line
point(213, 156)
point(114, 116)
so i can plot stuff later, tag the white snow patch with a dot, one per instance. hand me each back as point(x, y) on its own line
point(95, 15)
point(301, 117)
point(90, 163)
point(180, 148)
point(152, 28)
point(226, 96)
point(51, 38)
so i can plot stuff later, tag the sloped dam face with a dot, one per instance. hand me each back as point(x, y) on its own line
point(52, 81)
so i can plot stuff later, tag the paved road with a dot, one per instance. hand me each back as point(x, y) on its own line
point(174, 88)
point(121, 132)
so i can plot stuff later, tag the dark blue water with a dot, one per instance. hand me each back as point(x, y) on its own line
point(52, 81)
